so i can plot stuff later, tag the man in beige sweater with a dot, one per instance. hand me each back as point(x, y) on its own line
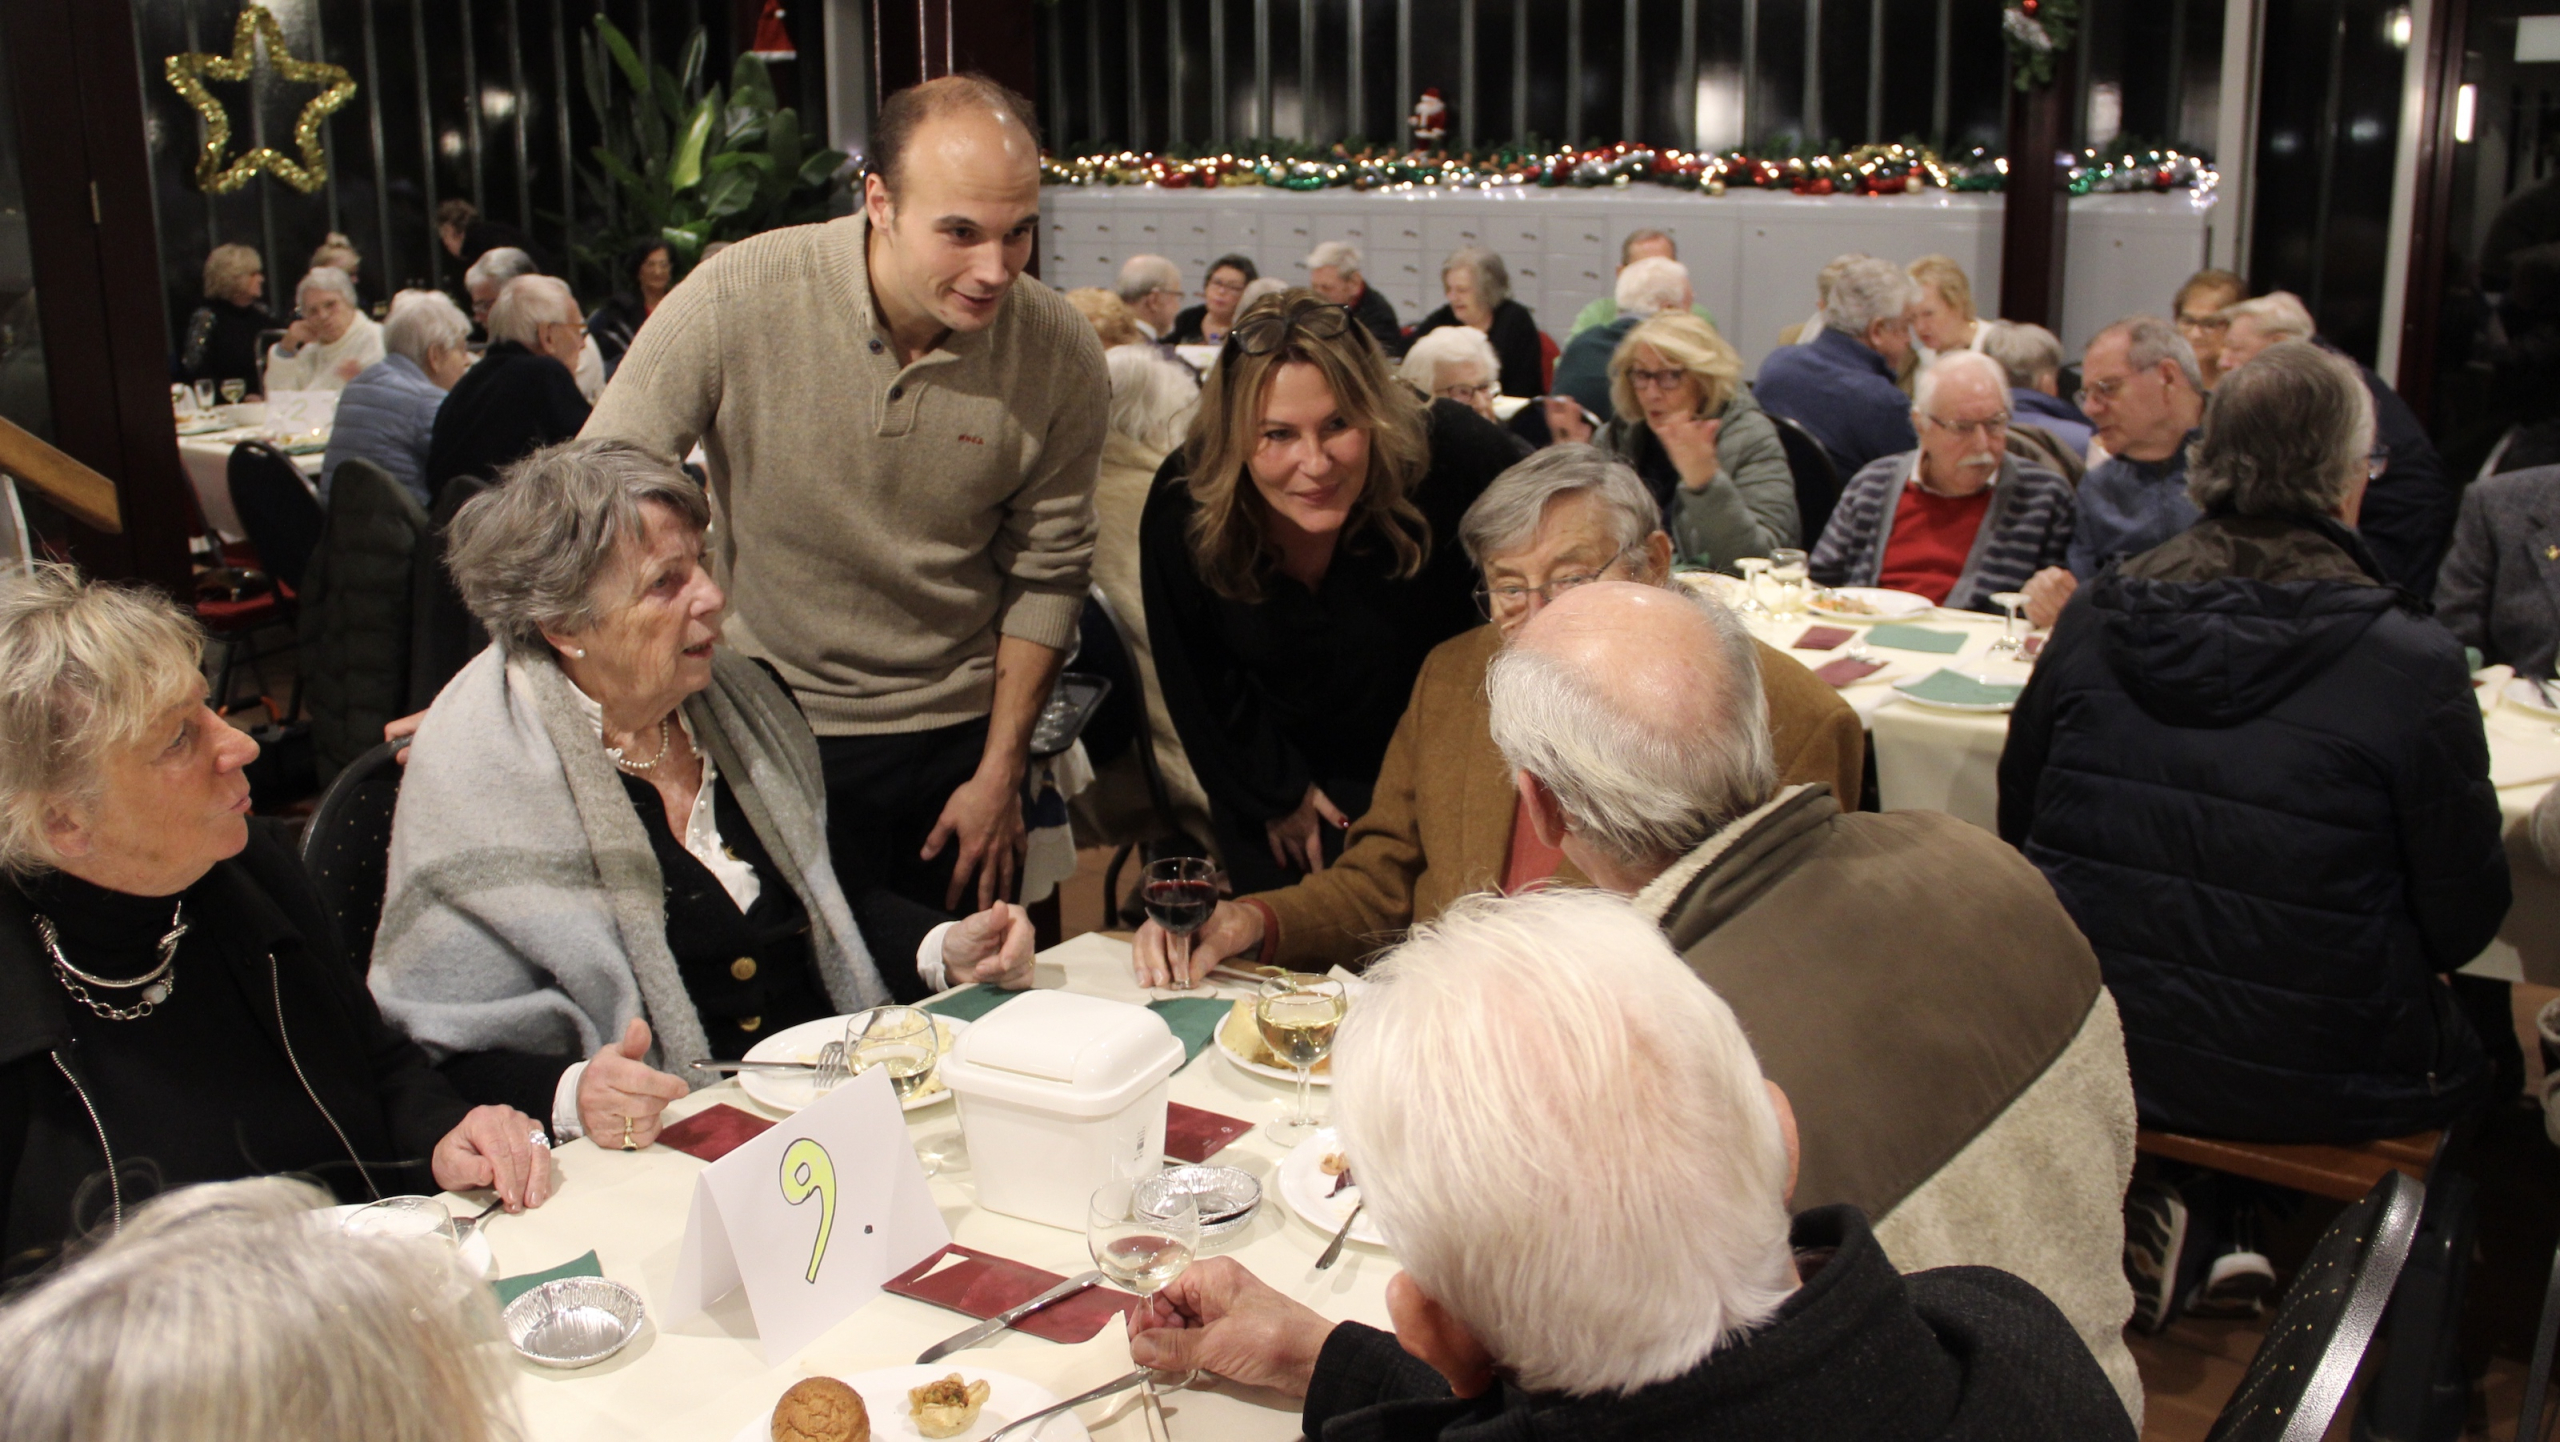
point(901, 435)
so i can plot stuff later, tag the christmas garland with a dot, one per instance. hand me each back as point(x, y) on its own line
point(2037, 31)
point(1883, 169)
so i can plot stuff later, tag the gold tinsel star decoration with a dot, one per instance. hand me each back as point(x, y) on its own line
point(188, 72)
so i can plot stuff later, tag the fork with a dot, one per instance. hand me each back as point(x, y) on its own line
point(1119, 1384)
point(831, 1070)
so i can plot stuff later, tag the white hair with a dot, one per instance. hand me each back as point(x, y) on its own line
point(529, 303)
point(1508, 514)
point(1339, 256)
point(1449, 345)
point(1642, 777)
point(2285, 435)
point(1565, 1137)
point(1868, 290)
point(2278, 315)
point(228, 1313)
point(1152, 399)
point(1924, 391)
point(328, 278)
point(2149, 340)
point(1143, 275)
point(498, 265)
point(1652, 285)
point(422, 322)
point(2025, 351)
point(1493, 278)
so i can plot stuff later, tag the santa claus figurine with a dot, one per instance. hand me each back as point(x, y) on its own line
point(1430, 120)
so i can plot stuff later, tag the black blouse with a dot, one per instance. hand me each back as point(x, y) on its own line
point(222, 344)
point(1307, 686)
point(1515, 341)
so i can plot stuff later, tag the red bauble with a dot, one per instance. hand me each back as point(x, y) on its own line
point(2028, 6)
point(1821, 185)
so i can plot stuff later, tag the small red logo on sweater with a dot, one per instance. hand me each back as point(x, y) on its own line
point(973, 440)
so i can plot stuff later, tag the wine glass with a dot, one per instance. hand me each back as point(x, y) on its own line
point(233, 389)
point(2010, 642)
point(902, 1041)
point(404, 1217)
point(1180, 893)
point(1788, 573)
point(204, 395)
point(1142, 1234)
point(1297, 1016)
point(182, 399)
point(1755, 570)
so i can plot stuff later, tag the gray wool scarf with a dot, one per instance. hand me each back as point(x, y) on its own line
point(526, 911)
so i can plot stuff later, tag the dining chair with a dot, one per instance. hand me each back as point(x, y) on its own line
point(276, 508)
point(346, 847)
point(2537, 1377)
point(1817, 480)
point(2326, 1319)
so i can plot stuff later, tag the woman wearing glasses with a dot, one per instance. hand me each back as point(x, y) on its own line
point(1221, 296)
point(1705, 449)
point(1299, 559)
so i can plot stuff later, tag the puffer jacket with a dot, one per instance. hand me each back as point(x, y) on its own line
point(2256, 776)
point(357, 611)
point(386, 415)
point(1747, 510)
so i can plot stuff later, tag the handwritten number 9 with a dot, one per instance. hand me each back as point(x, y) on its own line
point(807, 1170)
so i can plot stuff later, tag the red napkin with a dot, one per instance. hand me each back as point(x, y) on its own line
point(1848, 669)
point(984, 1285)
point(1193, 1135)
point(711, 1133)
point(1822, 638)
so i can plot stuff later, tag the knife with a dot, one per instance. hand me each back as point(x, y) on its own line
point(962, 1341)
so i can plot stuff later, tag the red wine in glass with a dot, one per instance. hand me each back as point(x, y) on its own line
point(1179, 893)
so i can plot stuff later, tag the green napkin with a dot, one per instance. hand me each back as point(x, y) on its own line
point(510, 1288)
point(1949, 688)
point(1193, 1018)
point(971, 1003)
point(1915, 638)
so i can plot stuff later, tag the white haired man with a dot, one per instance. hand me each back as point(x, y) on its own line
point(1637, 245)
point(331, 339)
point(1661, 1291)
point(1958, 1071)
point(1151, 287)
point(491, 273)
point(1333, 271)
point(522, 394)
point(1958, 519)
point(2139, 385)
point(2032, 356)
point(1840, 385)
point(1647, 287)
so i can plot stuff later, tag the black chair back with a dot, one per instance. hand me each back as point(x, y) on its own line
point(2538, 1374)
point(445, 635)
point(346, 848)
point(2327, 1318)
point(279, 512)
point(1817, 480)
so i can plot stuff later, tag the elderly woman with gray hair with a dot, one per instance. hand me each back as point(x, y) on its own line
point(331, 339)
point(660, 892)
point(1478, 286)
point(174, 1006)
point(387, 414)
point(2254, 772)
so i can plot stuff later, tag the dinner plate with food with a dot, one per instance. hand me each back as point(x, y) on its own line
point(1317, 1182)
point(1240, 1041)
point(1865, 604)
point(790, 1091)
point(901, 1403)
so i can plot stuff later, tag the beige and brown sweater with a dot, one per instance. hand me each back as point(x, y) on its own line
point(877, 526)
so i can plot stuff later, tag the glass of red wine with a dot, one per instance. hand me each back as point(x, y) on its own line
point(1179, 893)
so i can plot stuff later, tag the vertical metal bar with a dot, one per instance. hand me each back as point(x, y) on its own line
point(646, 53)
point(1219, 96)
point(1094, 110)
point(2328, 164)
point(328, 127)
point(1875, 69)
point(1938, 97)
point(388, 270)
point(1466, 74)
point(1631, 77)
point(1355, 116)
point(2177, 135)
point(1173, 74)
point(560, 123)
point(1261, 70)
point(426, 139)
point(1404, 71)
point(1686, 82)
point(1137, 91)
point(1573, 72)
point(471, 106)
point(1054, 22)
point(1813, 74)
point(278, 293)
point(1520, 70)
point(515, 77)
point(1310, 122)
point(1750, 72)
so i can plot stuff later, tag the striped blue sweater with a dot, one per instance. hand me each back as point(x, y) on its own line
point(2027, 528)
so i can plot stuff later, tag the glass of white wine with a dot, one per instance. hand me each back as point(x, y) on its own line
point(1790, 579)
point(1297, 1016)
point(1755, 573)
point(901, 1041)
point(1142, 1234)
point(233, 390)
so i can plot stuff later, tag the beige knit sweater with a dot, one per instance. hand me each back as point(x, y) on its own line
point(877, 527)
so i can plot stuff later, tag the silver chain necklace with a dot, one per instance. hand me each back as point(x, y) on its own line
point(666, 738)
point(158, 984)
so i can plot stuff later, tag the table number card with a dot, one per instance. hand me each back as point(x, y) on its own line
point(811, 1217)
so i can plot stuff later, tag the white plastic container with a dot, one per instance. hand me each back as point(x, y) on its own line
point(1054, 1089)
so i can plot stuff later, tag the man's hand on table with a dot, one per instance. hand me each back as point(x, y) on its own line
point(2047, 591)
point(495, 1147)
point(1162, 959)
point(1219, 1318)
point(618, 1085)
point(993, 948)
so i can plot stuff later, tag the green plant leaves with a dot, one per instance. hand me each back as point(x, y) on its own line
point(685, 170)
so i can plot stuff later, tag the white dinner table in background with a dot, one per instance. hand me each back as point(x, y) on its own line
point(207, 458)
point(704, 1378)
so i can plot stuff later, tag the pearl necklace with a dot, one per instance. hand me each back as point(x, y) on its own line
point(666, 738)
point(158, 983)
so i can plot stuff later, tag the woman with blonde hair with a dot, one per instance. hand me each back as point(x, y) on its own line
point(1943, 318)
point(1108, 314)
point(222, 335)
point(1706, 450)
point(1299, 559)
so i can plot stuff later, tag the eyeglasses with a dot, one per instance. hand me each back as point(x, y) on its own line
point(1991, 426)
point(1656, 380)
point(1467, 395)
point(1270, 330)
point(2376, 461)
point(2203, 323)
point(1496, 602)
point(2099, 391)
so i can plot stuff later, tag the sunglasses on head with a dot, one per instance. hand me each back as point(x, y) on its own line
point(1271, 330)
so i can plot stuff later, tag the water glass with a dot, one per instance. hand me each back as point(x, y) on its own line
point(902, 1041)
point(204, 395)
point(1142, 1234)
point(1755, 573)
point(1789, 576)
point(1298, 1016)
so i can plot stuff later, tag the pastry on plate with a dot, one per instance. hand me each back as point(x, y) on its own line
point(821, 1409)
point(946, 1408)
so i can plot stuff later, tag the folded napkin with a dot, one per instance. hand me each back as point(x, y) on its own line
point(1822, 638)
point(1193, 1135)
point(970, 1003)
point(1193, 1018)
point(983, 1284)
point(1916, 638)
point(712, 1133)
point(1847, 669)
point(510, 1288)
point(1951, 688)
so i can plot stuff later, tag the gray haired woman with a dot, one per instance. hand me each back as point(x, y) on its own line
point(1478, 286)
point(611, 858)
point(331, 339)
point(387, 414)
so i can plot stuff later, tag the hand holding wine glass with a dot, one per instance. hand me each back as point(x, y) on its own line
point(1180, 894)
point(1297, 1016)
point(1142, 1234)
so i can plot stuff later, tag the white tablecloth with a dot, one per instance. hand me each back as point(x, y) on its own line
point(208, 462)
point(1931, 760)
point(702, 1379)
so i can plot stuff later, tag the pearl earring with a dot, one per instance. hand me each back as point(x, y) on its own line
point(580, 652)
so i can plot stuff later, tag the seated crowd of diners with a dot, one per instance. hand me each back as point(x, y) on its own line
point(1846, 1097)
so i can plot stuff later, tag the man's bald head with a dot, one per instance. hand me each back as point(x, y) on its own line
point(1639, 708)
point(969, 119)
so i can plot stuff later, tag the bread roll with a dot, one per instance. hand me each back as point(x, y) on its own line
point(821, 1409)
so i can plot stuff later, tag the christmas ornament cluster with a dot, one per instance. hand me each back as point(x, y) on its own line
point(1890, 168)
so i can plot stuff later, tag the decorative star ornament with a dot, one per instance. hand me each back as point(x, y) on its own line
point(188, 72)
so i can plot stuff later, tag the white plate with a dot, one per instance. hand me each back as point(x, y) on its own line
point(786, 1092)
point(2524, 695)
point(475, 1248)
point(1304, 1186)
point(1227, 1049)
point(1505, 407)
point(884, 1396)
point(1967, 708)
point(1889, 605)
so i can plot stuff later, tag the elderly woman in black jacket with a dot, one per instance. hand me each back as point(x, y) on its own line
point(174, 1006)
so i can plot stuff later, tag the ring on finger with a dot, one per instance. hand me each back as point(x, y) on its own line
point(628, 1144)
